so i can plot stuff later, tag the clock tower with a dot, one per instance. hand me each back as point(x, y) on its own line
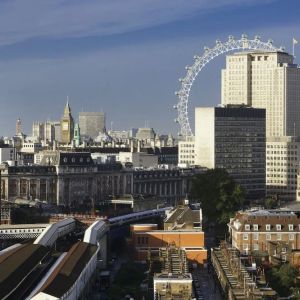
point(67, 125)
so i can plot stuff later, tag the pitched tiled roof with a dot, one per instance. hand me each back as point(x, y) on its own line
point(183, 214)
point(266, 217)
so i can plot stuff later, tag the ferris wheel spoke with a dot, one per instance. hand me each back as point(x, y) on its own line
point(209, 54)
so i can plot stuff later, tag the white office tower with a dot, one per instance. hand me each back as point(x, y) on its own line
point(283, 156)
point(270, 80)
point(186, 152)
point(267, 80)
point(91, 123)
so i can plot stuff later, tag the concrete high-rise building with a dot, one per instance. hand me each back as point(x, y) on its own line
point(283, 156)
point(91, 123)
point(67, 125)
point(270, 80)
point(267, 80)
point(233, 138)
point(186, 152)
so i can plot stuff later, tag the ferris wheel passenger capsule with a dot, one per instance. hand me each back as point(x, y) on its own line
point(177, 93)
point(175, 106)
point(176, 120)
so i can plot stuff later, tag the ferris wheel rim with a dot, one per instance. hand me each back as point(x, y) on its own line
point(200, 62)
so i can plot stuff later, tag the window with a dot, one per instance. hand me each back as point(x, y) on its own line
point(247, 227)
point(255, 227)
point(245, 236)
point(284, 257)
point(255, 247)
point(255, 236)
point(283, 250)
point(268, 237)
point(278, 227)
point(291, 227)
point(291, 237)
point(268, 227)
point(245, 246)
point(278, 237)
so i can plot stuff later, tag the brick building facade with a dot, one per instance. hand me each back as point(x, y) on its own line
point(182, 229)
point(252, 230)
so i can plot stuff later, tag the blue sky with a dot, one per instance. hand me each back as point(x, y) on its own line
point(123, 57)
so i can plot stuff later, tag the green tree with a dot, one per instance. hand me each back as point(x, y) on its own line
point(219, 195)
point(283, 279)
point(270, 202)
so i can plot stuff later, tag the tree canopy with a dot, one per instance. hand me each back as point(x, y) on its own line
point(219, 195)
point(283, 279)
point(270, 203)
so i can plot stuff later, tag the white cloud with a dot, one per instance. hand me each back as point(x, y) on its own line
point(21, 20)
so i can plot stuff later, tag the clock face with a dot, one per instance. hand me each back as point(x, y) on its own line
point(65, 125)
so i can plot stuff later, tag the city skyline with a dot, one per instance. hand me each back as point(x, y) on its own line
point(124, 60)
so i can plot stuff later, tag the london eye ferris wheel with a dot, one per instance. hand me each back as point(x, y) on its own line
point(244, 43)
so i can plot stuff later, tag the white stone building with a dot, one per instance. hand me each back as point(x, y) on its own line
point(282, 166)
point(31, 147)
point(186, 152)
point(91, 123)
point(7, 153)
point(138, 159)
point(267, 80)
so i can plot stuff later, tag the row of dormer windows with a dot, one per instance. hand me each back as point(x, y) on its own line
point(269, 226)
